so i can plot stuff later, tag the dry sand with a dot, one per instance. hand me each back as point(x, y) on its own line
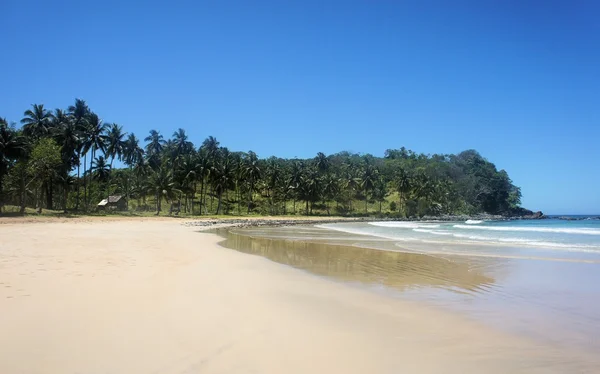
point(154, 296)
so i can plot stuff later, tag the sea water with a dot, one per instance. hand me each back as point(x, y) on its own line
point(536, 278)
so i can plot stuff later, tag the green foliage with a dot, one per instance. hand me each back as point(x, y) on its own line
point(211, 179)
point(44, 161)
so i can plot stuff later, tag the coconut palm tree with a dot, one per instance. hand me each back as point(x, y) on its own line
point(202, 173)
point(253, 173)
point(37, 121)
point(100, 169)
point(79, 113)
point(156, 143)
point(12, 146)
point(163, 184)
point(132, 152)
point(330, 186)
point(368, 179)
point(181, 144)
point(222, 175)
point(114, 145)
point(321, 162)
point(403, 185)
point(94, 138)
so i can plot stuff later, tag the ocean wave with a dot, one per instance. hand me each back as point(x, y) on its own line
point(473, 222)
point(405, 225)
point(581, 231)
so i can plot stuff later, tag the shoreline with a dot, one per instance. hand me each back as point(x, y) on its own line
point(157, 296)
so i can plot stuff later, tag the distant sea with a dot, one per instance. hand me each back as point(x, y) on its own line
point(575, 240)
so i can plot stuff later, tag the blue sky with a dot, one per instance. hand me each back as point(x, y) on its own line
point(517, 80)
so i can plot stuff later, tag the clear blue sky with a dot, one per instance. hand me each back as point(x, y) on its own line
point(517, 80)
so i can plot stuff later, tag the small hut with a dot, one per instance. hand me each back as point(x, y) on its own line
point(115, 202)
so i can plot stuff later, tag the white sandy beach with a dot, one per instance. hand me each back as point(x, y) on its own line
point(154, 296)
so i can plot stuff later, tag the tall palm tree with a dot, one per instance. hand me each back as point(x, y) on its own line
point(222, 175)
point(114, 145)
point(210, 148)
point(180, 143)
point(368, 179)
point(100, 169)
point(202, 173)
point(321, 162)
point(163, 184)
point(37, 121)
point(67, 137)
point(79, 113)
point(253, 173)
point(132, 152)
point(294, 181)
point(156, 143)
point(95, 139)
point(330, 187)
point(403, 185)
point(12, 146)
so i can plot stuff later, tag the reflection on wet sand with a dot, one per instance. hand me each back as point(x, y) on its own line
point(349, 262)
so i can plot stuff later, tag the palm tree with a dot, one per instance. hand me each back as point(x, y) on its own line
point(79, 113)
point(100, 169)
point(202, 173)
point(309, 187)
point(330, 187)
point(142, 171)
point(210, 148)
point(67, 137)
point(163, 184)
point(132, 152)
point(181, 144)
point(321, 162)
point(37, 121)
point(222, 175)
point(294, 181)
point(368, 180)
point(403, 185)
point(253, 173)
point(94, 138)
point(114, 145)
point(380, 191)
point(156, 143)
point(12, 146)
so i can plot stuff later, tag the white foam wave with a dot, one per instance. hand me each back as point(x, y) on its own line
point(473, 222)
point(405, 225)
point(581, 231)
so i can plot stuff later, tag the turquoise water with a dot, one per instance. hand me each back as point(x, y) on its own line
point(547, 239)
point(546, 272)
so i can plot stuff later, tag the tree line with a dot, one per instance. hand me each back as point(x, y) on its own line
point(65, 159)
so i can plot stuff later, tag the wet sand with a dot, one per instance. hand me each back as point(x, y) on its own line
point(155, 296)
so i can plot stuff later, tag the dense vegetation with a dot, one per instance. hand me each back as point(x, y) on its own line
point(66, 159)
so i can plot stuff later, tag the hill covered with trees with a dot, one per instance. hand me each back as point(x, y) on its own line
point(65, 159)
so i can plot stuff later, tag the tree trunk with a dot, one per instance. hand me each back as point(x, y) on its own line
point(23, 192)
point(84, 182)
point(49, 195)
point(366, 200)
point(65, 193)
point(219, 204)
point(250, 195)
point(1, 196)
point(78, 179)
point(294, 202)
point(158, 198)
point(306, 206)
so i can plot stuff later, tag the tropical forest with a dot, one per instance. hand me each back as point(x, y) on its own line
point(69, 160)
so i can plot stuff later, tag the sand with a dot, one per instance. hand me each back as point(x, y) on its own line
point(155, 296)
